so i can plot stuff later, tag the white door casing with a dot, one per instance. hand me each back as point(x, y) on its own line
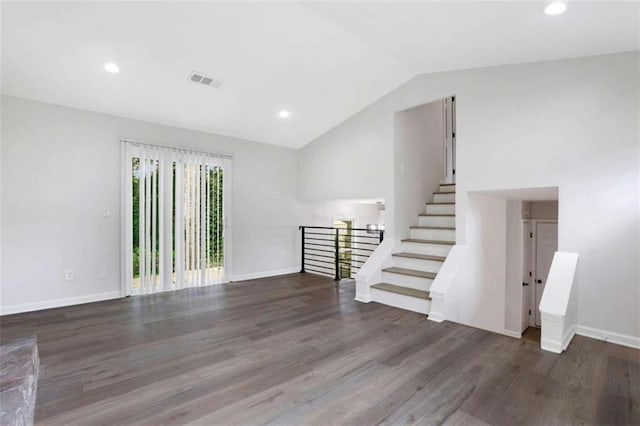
point(527, 275)
point(449, 151)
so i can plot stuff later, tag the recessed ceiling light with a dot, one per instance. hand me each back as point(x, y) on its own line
point(555, 8)
point(111, 67)
point(284, 114)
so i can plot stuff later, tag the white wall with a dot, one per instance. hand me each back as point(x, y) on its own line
point(571, 124)
point(1, 197)
point(350, 161)
point(418, 165)
point(514, 267)
point(478, 294)
point(61, 168)
point(322, 213)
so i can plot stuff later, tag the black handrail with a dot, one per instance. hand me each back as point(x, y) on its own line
point(330, 238)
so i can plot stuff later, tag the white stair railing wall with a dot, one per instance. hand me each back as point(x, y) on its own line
point(558, 304)
point(371, 271)
point(443, 281)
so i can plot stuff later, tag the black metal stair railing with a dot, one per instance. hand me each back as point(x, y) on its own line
point(337, 252)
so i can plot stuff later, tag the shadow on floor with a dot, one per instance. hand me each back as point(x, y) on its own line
point(532, 334)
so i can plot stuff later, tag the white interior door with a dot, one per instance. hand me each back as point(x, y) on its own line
point(546, 246)
point(449, 106)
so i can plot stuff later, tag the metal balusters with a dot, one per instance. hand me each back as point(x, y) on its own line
point(322, 247)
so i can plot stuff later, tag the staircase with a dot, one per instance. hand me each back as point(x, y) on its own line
point(407, 282)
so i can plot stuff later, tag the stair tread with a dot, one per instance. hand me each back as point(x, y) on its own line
point(411, 272)
point(450, 228)
point(438, 204)
point(415, 240)
point(420, 256)
point(406, 291)
point(444, 192)
point(436, 214)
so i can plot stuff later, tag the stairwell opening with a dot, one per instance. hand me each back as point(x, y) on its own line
point(423, 209)
point(512, 236)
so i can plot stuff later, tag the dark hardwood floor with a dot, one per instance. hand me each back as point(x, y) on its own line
point(297, 350)
point(532, 333)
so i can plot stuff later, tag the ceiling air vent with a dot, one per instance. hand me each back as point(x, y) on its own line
point(205, 80)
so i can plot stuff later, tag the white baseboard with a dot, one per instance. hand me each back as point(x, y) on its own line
point(568, 337)
point(608, 336)
point(58, 303)
point(512, 333)
point(265, 274)
point(363, 298)
point(550, 345)
point(436, 316)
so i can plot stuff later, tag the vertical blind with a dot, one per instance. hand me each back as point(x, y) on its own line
point(176, 212)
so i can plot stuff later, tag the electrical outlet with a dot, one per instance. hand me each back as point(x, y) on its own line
point(104, 275)
point(106, 212)
point(69, 275)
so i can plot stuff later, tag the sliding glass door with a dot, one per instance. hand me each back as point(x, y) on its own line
point(176, 218)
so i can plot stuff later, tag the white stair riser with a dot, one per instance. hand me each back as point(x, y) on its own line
point(410, 281)
point(447, 188)
point(433, 234)
point(401, 301)
point(417, 264)
point(431, 249)
point(444, 198)
point(445, 221)
point(441, 209)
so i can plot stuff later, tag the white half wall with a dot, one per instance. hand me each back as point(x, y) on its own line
point(61, 168)
point(558, 303)
point(571, 124)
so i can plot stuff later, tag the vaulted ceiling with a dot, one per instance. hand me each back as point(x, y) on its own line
point(323, 61)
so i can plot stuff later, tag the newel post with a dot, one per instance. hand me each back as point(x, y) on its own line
point(302, 246)
point(337, 255)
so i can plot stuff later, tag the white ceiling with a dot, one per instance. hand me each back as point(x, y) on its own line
point(324, 61)
point(442, 36)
